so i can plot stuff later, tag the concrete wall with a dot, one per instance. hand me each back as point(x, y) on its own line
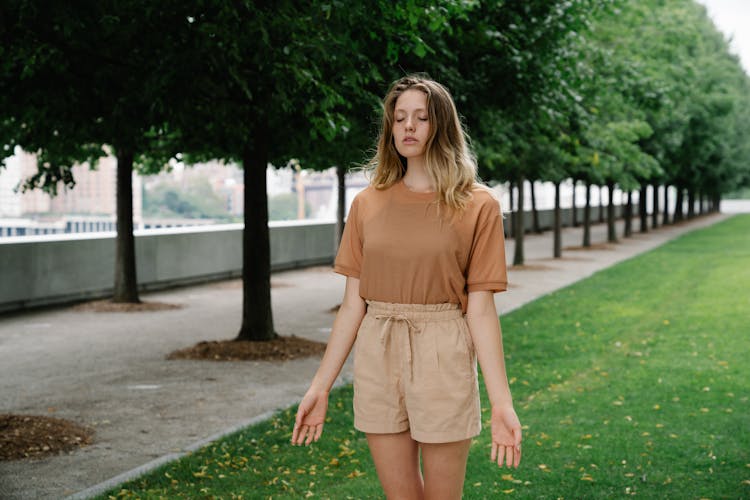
point(43, 270)
point(56, 269)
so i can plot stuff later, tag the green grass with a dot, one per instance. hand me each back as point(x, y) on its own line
point(632, 382)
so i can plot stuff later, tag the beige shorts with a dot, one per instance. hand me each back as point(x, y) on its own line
point(415, 369)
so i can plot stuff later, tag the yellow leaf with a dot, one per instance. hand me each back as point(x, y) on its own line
point(355, 473)
point(507, 477)
point(587, 477)
point(705, 410)
point(657, 407)
point(477, 485)
point(508, 492)
point(334, 461)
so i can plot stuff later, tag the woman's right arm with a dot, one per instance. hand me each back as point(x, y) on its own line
point(312, 409)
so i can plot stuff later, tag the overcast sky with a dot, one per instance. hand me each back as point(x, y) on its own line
point(733, 18)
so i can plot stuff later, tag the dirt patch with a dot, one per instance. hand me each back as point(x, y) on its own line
point(237, 284)
point(531, 267)
point(34, 436)
point(278, 349)
point(109, 306)
point(566, 258)
point(595, 246)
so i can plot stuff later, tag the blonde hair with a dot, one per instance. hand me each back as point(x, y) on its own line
point(450, 164)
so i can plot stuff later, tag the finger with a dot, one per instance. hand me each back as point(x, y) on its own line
point(518, 434)
point(307, 432)
point(517, 456)
point(310, 436)
point(493, 452)
point(297, 424)
point(301, 435)
point(509, 455)
point(500, 455)
point(295, 432)
point(318, 431)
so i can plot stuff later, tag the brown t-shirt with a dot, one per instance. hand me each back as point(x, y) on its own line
point(402, 251)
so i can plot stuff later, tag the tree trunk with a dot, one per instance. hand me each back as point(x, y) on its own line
point(512, 228)
point(629, 215)
point(678, 205)
point(665, 218)
point(655, 208)
point(557, 250)
point(518, 254)
point(575, 208)
point(643, 208)
point(691, 203)
point(340, 206)
point(601, 205)
point(126, 281)
point(534, 212)
point(257, 317)
point(611, 228)
point(587, 217)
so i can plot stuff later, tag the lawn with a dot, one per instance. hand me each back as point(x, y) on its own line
point(631, 382)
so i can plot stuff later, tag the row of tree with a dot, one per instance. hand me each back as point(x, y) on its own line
point(606, 92)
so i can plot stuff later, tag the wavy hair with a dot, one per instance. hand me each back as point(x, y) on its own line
point(450, 163)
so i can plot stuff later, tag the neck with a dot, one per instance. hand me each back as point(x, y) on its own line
point(416, 177)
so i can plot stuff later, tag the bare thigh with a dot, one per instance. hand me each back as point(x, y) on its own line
point(444, 466)
point(396, 458)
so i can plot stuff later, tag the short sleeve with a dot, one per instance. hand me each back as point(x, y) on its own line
point(349, 257)
point(486, 269)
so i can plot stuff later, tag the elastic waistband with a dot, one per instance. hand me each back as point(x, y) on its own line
point(422, 312)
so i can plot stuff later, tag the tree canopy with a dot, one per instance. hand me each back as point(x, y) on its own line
point(620, 93)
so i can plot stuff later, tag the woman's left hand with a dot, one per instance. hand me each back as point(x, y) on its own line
point(506, 436)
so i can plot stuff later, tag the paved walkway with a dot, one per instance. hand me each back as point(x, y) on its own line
point(107, 370)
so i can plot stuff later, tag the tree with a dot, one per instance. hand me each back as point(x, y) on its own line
point(279, 81)
point(81, 81)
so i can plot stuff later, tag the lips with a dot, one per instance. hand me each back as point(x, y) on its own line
point(409, 140)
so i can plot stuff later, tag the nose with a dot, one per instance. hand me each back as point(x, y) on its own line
point(409, 123)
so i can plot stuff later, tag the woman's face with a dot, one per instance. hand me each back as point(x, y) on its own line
point(411, 124)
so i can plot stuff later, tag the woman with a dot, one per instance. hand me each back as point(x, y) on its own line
point(423, 253)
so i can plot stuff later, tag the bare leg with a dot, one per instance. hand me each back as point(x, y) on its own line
point(396, 458)
point(444, 467)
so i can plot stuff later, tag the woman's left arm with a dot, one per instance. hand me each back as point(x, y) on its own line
point(484, 326)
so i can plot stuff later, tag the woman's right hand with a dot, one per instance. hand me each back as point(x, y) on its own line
point(311, 414)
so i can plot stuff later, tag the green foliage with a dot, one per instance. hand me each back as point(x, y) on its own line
point(196, 200)
point(80, 81)
point(284, 207)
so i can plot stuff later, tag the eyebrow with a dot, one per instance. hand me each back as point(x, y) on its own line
point(404, 111)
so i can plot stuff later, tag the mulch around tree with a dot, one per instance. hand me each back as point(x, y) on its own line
point(594, 246)
point(107, 305)
point(35, 436)
point(278, 349)
point(531, 267)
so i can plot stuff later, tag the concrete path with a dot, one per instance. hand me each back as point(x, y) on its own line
point(107, 370)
